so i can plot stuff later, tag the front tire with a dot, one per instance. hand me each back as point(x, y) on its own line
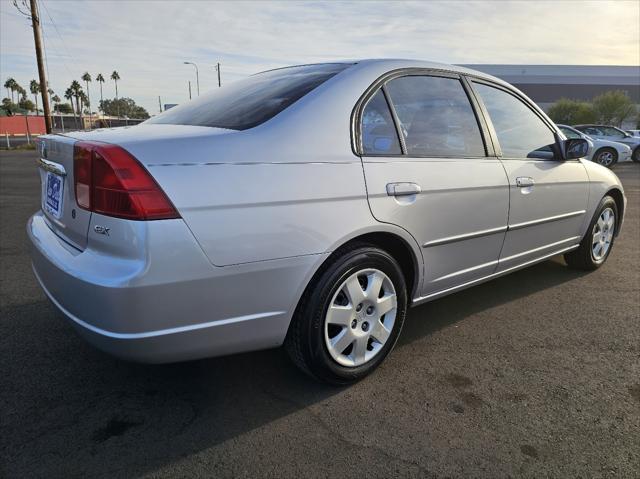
point(606, 157)
point(350, 316)
point(635, 156)
point(597, 243)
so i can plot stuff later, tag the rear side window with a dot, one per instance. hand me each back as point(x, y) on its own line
point(379, 135)
point(569, 133)
point(250, 102)
point(521, 133)
point(592, 130)
point(436, 117)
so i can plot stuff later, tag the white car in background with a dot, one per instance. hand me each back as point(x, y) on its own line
point(604, 152)
point(612, 133)
point(634, 133)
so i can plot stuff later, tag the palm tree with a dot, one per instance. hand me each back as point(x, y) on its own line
point(10, 85)
point(100, 79)
point(87, 78)
point(84, 101)
point(34, 87)
point(77, 89)
point(115, 77)
point(55, 99)
point(68, 94)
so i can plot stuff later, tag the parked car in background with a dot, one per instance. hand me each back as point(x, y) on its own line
point(604, 152)
point(612, 133)
point(310, 206)
point(635, 133)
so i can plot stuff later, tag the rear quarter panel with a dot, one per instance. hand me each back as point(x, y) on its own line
point(242, 213)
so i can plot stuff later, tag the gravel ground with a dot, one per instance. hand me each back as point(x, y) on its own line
point(536, 374)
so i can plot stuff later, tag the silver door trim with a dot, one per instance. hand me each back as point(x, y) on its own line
point(548, 219)
point(468, 270)
point(453, 289)
point(540, 248)
point(465, 236)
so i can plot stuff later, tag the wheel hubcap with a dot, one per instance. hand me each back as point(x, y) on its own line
point(360, 317)
point(605, 158)
point(603, 234)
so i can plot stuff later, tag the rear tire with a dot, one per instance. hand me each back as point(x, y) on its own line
point(597, 243)
point(350, 316)
point(606, 157)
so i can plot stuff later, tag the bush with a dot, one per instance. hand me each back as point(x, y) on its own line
point(613, 107)
point(123, 107)
point(572, 112)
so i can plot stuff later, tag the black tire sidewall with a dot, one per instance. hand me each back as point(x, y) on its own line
point(317, 357)
point(635, 155)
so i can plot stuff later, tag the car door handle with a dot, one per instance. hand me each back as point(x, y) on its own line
point(524, 181)
point(403, 189)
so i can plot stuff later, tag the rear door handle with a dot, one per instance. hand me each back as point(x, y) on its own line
point(524, 181)
point(403, 189)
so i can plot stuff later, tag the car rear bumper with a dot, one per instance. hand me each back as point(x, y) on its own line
point(167, 305)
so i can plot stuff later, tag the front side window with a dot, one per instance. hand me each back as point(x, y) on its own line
point(250, 102)
point(436, 117)
point(521, 133)
point(610, 131)
point(379, 135)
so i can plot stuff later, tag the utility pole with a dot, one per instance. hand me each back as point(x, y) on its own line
point(197, 76)
point(189, 89)
point(37, 36)
point(159, 103)
point(218, 68)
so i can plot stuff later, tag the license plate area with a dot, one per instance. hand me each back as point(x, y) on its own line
point(54, 194)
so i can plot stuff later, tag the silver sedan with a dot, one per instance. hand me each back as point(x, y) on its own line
point(310, 206)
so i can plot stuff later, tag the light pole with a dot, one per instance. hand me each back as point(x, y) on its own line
point(197, 77)
point(217, 67)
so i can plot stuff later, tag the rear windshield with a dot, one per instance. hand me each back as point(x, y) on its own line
point(249, 102)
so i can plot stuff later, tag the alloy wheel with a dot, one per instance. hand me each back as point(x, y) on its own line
point(605, 158)
point(602, 234)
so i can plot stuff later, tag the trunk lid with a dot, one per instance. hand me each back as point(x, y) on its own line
point(58, 201)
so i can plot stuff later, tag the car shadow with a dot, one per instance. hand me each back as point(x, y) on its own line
point(67, 400)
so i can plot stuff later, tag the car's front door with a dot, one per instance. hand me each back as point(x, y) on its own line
point(435, 178)
point(548, 196)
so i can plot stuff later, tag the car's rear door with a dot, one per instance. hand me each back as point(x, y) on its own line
point(435, 178)
point(548, 196)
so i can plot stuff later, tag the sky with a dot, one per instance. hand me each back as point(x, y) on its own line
point(148, 41)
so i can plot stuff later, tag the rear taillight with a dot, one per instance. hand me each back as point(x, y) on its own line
point(110, 181)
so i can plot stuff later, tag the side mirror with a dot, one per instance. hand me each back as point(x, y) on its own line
point(575, 148)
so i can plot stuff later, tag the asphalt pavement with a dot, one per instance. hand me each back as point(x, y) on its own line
point(536, 374)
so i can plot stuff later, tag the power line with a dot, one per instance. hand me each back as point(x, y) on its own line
point(44, 44)
point(64, 44)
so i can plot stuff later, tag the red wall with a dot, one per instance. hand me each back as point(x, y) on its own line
point(16, 125)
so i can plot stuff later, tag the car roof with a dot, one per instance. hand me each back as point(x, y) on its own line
point(390, 64)
point(593, 124)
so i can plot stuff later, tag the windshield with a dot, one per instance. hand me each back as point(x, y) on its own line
point(250, 102)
